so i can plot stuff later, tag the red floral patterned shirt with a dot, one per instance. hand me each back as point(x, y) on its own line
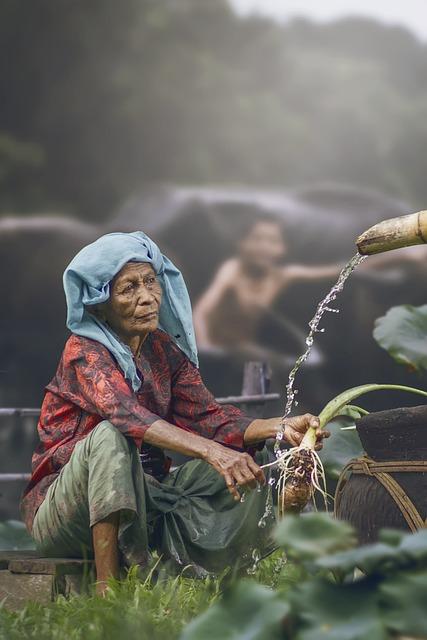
point(89, 387)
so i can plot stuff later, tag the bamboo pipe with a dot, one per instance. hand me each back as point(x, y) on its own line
point(394, 233)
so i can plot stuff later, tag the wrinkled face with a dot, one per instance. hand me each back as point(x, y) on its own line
point(135, 296)
point(263, 246)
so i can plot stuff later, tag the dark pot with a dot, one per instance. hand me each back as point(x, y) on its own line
point(394, 435)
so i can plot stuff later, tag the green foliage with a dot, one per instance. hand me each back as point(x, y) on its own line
point(382, 557)
point(132, 610)
point(328, 602)
point(114, 95)
point(248, 612)
point(306, 537)
point(20, 169)
point(345, 445)
point(337, 612)
point(405, 598)
point(353, 411)
point(313, 597)
point(340, 448)
point(339, 405)
point(14, 155)
point(138, 610)
point(402, 333)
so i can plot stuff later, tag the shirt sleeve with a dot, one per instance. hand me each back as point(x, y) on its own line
point(92, 380)
point(194, 408)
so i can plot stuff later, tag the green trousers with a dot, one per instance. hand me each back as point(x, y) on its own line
point(190, 519)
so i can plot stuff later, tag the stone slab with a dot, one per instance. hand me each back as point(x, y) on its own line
point(16, 590)
point(7, 556)
point(26, 576)
point(49, 566)
point(33, 563)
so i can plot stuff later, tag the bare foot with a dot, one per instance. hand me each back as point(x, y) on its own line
point(101, 588)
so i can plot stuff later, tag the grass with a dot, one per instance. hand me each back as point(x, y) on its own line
point(133, 609)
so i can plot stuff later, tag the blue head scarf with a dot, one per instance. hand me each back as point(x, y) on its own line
point(87, 282)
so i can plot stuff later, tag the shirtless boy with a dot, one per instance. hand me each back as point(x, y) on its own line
point(246, 286)
point(244, 289)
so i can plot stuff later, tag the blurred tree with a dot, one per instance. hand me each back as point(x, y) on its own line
point(99, 98)
point(60, 92)
point(20, 165)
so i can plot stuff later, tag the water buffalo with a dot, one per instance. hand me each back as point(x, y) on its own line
point(34, 252)
point(199, 227)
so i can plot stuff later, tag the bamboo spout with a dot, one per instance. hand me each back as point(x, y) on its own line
point(394, 233)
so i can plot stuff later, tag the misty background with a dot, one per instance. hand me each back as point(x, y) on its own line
point(99, 99)
point(185, 118)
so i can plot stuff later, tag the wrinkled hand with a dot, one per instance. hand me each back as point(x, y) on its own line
point(237, 469)
point(296, 427)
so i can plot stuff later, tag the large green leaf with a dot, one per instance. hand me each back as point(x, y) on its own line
point(414, 547)
point(337, 405)
point(340, 448)
point(369, 559)
point(404, 601)
point(337, 612)
point(313, 535)
point(409, 550)
point(249, 612)
point(403, 333)
point(392, 537)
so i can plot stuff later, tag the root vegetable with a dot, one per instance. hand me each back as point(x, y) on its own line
point(301, 472)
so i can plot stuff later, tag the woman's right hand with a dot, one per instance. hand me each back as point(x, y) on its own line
point(237, 469)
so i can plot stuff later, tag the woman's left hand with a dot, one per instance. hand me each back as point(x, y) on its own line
point(294, 431)
point(296, 427)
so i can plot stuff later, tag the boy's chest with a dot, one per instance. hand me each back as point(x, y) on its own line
point(252, 293)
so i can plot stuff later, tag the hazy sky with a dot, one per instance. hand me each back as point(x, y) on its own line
point(409, 13)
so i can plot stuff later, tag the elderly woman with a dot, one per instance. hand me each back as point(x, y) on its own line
point(127, 388)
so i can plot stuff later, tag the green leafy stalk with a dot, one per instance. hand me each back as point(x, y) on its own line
point(337, 404)
point(309, 439)
point(333, 408)
point(354, 410)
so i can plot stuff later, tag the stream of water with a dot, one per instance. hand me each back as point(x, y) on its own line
point(322, 308)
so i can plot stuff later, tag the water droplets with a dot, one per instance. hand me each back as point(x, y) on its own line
point(196, 535)
point(279, 438)
point(175, 556)
point(268, 513)
point(284, 460)
point(243, 497)
point(279, 564)
point(256, 557)
point(322, 308)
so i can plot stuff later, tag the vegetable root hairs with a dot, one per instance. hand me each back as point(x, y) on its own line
point(301, 474)
point(301, 471)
